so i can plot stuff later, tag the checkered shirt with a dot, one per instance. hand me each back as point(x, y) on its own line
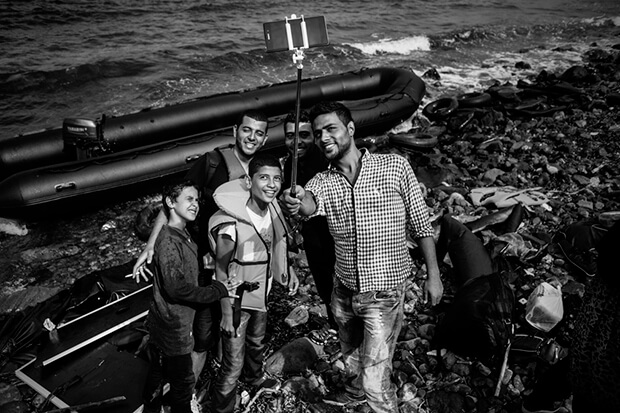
point(369, 220)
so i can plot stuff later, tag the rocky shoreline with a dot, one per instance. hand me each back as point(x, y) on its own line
point(556, 132)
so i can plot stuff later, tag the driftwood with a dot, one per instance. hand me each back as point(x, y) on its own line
point(502, 371)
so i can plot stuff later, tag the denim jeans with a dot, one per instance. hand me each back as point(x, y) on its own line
point(368, 327)
point(176, 370)
point(243, 353)
point(206, 326)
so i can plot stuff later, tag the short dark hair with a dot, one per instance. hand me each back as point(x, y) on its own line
point(172, 190)
point(304, 117)
point(323, 108)
point(263, 159)
point(257, 115)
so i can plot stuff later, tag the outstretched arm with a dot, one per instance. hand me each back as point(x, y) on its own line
point(146, 256)
point(303, 203)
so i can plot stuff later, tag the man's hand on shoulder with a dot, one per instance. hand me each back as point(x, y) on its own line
point(140, 269)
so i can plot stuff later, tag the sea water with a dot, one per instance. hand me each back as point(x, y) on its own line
point(85, 58)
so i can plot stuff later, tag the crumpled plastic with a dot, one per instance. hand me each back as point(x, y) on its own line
point(505, 196)
point(544, 308)
point(514, 245)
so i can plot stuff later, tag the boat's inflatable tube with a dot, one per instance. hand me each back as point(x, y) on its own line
point(413, 140)
point(78, 182)
point(120, 175)
point(440, 108)
point(474, 100)
point(388, 93)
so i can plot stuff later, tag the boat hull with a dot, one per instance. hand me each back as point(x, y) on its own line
point(210, 113)
point(378, 99)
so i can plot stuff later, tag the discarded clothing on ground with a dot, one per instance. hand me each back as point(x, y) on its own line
point(478, 322)
point(506, 196)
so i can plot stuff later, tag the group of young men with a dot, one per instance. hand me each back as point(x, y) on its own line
point(360, 207)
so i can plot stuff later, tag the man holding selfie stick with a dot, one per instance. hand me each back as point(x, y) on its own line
point(371, 201)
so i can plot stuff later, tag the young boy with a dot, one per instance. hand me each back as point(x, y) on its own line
point(249, 236)
point(175, 290)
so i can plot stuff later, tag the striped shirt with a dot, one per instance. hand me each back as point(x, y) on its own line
point(369, 220)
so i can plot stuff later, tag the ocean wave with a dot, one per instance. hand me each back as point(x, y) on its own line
point(70, 77)
point(402, 46)
point(511, 36)
point(603, 21)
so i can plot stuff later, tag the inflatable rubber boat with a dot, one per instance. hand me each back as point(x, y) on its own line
point(142, 148)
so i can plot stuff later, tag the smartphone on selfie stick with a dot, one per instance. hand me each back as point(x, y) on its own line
point(296, 34)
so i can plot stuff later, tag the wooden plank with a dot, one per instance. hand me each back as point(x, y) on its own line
point(95, 325)
point(38, 387)
point(121, 374)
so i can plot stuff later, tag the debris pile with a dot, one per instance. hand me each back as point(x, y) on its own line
point(549, 143)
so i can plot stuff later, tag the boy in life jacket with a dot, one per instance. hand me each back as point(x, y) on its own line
point(175, 292)
point(249, 237)
point(212, 169)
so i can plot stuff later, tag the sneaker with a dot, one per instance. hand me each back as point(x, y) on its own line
point(195, 405)
point(323, 336)
point(343, 399)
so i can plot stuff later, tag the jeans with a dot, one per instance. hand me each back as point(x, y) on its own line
point(206, 326)
point(368, 327)
point(244, 353)
point(176, 370)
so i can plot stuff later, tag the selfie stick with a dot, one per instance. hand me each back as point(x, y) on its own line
point(298, 57)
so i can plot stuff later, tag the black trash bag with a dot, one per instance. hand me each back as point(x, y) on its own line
point(578, 243)
point(478, 323)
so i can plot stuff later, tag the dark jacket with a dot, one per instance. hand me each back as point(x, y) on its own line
point(211, 170)
point(175, 289)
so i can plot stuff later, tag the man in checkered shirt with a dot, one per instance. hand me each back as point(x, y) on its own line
point(370, 201)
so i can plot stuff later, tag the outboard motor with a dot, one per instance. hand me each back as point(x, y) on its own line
point(83, 138)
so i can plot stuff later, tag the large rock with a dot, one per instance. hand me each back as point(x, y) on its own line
point(309, 389)
point(8, 393)
point(295, 357)
point(12, 227)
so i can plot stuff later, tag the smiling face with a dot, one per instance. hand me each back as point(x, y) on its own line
point(250, 136)
point(184, 207)
point(333, 137)
point(265, 185)
point(306, 140)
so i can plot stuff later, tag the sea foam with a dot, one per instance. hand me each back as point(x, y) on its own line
point(402, 46)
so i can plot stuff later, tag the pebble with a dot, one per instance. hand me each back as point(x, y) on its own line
point(563, 153)
point(427, 331)
point(108, 226)
point(9, 393)
point(407, 392)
